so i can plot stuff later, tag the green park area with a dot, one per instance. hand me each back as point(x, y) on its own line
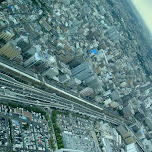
point(57, 129)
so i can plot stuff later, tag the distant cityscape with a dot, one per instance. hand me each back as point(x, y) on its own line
point(75, 76)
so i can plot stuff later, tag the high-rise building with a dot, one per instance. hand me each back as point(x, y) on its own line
point(30, 51)
point(148, 122)
point(102, 10)
point(86, 92)
point(82, 71)
point(67, 57)
point(10, 50)
point(113, 34)
point(95, 83)
point(76, 61)
point(51, 72)
point(3, 20)
point(6, 35)
point(64, 78)
point(23, 44)
point(74, 83)
point(33, 60)
point(34, 57)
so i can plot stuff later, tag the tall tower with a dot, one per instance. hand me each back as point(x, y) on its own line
point(10, 50)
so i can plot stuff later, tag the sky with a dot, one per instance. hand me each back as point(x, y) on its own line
point(145, 9)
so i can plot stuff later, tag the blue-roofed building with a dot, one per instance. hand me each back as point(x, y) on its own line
point(24, 117)
point(10, 7)
point(82, 71)
point(94, 51)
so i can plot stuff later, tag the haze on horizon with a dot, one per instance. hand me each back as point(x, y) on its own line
point(144, 8)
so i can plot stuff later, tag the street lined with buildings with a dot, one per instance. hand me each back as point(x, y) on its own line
point(84, 66)
point(43, 98)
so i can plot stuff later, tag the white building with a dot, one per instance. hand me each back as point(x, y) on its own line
point(131, 148)
point(32, 60)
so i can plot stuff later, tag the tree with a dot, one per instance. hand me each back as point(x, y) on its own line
point(60, 146)
point(26, 127)
point(57, 134)
point(53, 147)
point(60, 137)
point(60, 141)
point(47, 117)
point(55, 126)
point(54, 112)
point(58, 129)
point(54, 119)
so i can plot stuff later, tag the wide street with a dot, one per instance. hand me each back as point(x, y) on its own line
point(52, 97)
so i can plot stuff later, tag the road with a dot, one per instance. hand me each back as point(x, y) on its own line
point(53, 97)
point(27, 94)
point(57, 91)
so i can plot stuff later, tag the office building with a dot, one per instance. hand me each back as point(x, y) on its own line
point(64, 78)
point(113, 34)
point(139, 114)
point(19, 59)
point(67, 57)
point(102, 10)
point(23, 44)
point(95, 83)
point(128, 110)
point(3, 20)
point(51, 72)
point(82, 71)
point(114, 104)
point(10, 50)
point(76, 61)
point(35, 59)
point(45, 24)
point(74, 83)
point(148, 122)
point(6, 35)
point(86, 92)
point(30, 51)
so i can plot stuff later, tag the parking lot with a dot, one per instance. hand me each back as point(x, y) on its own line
point(76, 133)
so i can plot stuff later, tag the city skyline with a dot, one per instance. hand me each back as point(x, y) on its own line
point(144, 9)
point(75, 76)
